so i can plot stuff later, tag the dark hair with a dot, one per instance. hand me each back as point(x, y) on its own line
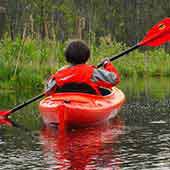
point(77, 52)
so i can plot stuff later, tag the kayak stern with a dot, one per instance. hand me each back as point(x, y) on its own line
point(79, 109)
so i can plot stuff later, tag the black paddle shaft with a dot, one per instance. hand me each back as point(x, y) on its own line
point(26, 102)
point(43, 94)
point(121, 54)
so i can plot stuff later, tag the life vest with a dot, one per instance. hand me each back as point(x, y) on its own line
point(80, 73)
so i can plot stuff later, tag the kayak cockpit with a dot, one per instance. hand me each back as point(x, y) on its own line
point(82, 88)
point(104, 91)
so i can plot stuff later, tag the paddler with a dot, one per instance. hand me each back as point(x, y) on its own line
point(78, 76)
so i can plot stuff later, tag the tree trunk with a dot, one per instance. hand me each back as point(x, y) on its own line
point(2, 20)
point(42, 24)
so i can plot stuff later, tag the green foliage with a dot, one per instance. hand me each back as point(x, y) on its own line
point(30, 62)
point(157, 88)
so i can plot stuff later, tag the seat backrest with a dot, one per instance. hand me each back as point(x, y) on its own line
point(77, 87)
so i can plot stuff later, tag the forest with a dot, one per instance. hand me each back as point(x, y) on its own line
point(33, 35)
point(124, 20)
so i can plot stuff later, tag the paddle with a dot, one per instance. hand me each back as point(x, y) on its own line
point(157, 35)
point(8, 112)
point(7, 122)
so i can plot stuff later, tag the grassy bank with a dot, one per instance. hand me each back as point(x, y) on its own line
point(30, 62)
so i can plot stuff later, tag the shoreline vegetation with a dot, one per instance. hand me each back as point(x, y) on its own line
point(29, 62)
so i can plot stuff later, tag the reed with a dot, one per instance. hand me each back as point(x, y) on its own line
point(28, 62)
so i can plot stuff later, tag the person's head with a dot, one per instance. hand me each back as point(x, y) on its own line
point(77, 52)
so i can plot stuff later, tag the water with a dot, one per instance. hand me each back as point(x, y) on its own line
point(139, 138)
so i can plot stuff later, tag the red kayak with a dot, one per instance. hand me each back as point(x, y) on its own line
point(80, 109)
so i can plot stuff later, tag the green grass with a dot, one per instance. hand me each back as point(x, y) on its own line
point(30, 62)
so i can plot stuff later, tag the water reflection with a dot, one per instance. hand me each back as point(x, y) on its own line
point(80, 149)
point(146, 147)
point(141, 141)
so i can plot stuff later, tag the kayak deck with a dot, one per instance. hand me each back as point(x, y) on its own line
point(80, 109)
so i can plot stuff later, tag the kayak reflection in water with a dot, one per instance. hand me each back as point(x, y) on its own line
point(78, 149)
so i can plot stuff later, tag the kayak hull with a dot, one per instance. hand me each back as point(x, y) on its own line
point(80, 109)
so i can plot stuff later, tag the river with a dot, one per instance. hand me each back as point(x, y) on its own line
point(139, 138)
